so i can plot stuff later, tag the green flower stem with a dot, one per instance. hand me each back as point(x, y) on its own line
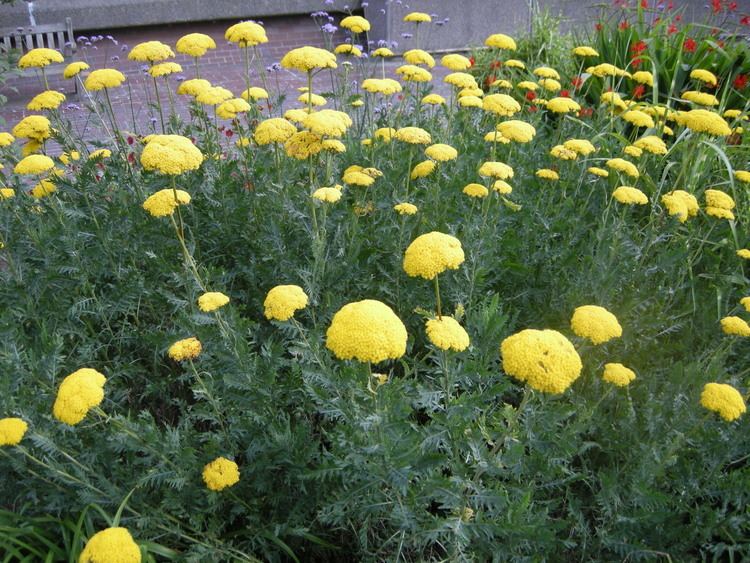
point(158, 104)
point(118, 134)
point(197, 69)
point(60, 472)
point(189, 261)
point(211, 398)
point(437, 298)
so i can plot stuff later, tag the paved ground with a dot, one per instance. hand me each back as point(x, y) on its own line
point(223, 66)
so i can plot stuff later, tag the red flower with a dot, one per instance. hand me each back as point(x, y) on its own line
point(489, 80)
point(564, 93)
point(599, 27)
point(716, 6)
point(533, 108)
point(638, 47)
point(741, 81)
point(678, 18)
point(131, 140)
point(670, 5)
point(644, 4)
point(636, 63)
point(638, 91)
point(745, 20)
point(577, 82)
point(530, 96)
point(495, 64)
point(623, 25)
point(471, 61)
point(131, 158)
point(671, 29)
point(229, 133)
point(586, 112)
point(689, 45)
point(732, 6)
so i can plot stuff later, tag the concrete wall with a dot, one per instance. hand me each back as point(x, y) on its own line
point(456, 23)
point(108, 14)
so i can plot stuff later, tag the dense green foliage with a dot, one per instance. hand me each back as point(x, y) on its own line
point(451, 459)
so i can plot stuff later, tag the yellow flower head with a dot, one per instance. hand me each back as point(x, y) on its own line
point(307, 59)
point(550, 84)
point(230, 108)
point(431, 254)
point(501, 105)
point(328, 123)
point(150, 51)
point(455, 62)
point(405, 208)
point(724, 400)
point(559, 151)
point(652, 144)
point(100, 154)
point(283, 301)
point(34, 164)
point(213, 95)
point(327, 195)
point(419, 57)
point(502, 187)
point(596, 171)
point(514, 63)
point(414, 73)
point(303, 144)
point(735, 326)
point(193, 86)
point(422, 169)
point(112, 545)
point(78, 393)
point(417, 17)
point(164, 202)
point(498, 170)
point(104, 78)
point(704, 121)
point(584, 51)
point(413, 135)
point(347, 49)
point(212, 300)
point(739, 175)
point(621, 165)
point(441, 152)
point(40, 58)
point(681, 204)
point(630, 196)
point(246, 34)
point(445, 333)
point(580, 146)
point(745, 302)
point(171, 154)
point(595, 323)
point(195, 44)
point(562, 105)
point(501, 41)
point(518, 131)
point(638, 118)
point(470, 102)
point(356, 24)
point(476, 190)
point(368, 331)
point(36, 127)
point(527, 85)
point(309, 98)
point(12, 431)
point(43, 188)
point(220, 474)
point(719, 204)
point(185, 349)
point(433, 100)
point(460, 80)
point(544, 359)
point(6, 139)
point(385, 86)
point(254, 93)
point(50, 99)
point(643, 77)
point(274, 130)
point(618, 374)
point(547, 174)
point(547, 72)
point(164, 69)
point(383, 52)
point(704, 76)
point(744, 253)
point(73, 69)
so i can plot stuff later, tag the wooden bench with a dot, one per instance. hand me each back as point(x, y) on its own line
point(58, 36)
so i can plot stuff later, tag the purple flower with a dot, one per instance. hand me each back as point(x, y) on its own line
point(382, 10)
point(124, 48)
point(328, 28)
point(394, 44)
point(144, 68)
point(82, 38)
point(75, 107)
point(110, 38)
point(407, 35)
point(115, 58)
point(320, 14)
point(87, 44)
point(328, 2)
point(382, 43)
point(179, 78)
point(365, 4)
